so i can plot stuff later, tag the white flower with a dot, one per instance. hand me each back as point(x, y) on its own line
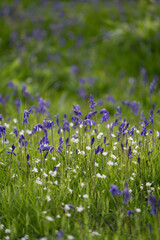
point(6, 125)
point(45, 175)
point(104, 153)
point(131, 178)
point(48, 198)
point(103, 176)
point(85, 196)
point(21, 132)
point(7, 230)
point(82, 184)
point(95, 233)
point(38, 182)
point(134, 162)
point(70, 237)
point(1, 226)
point(148, 184)
point(43, 238)
point(96, 164)
point(70, 190)
point(49, 218)
point(56, 182)
point(75, 140)
point(110, 163)
point(29, 132)
point(35, 170)
point(53, 158)
point(58, 216)
point(15, 120)
point(58, 165)
point(80, 209)
point(71, 124)
point(7, 237)
point(88, 148)
point(113, 135)
point(113, 156)
point(68, 214)
point(26, 236)
point(66, 207)
point(98, 175)
point(2, 163)
point(138, 210)
point(82, 153)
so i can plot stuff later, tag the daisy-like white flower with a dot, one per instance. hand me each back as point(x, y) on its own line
point(138, 210)
point(80, 208)
point(39, 182)
point(148, 184)
point(35, 170)
point(85, 196)
point(70, 237)
point(110, 163)
point(49, 218)
point(48, 198)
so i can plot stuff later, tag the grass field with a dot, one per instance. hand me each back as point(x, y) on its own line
point(79, 120)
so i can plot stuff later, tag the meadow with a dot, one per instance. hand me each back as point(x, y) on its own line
point(79, 120)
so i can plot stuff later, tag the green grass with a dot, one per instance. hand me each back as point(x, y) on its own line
point(109, 43)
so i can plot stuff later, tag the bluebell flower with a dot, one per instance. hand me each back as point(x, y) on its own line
point(28, 157)
point(92, 141)
point(150, 227)
point(126, 195)
point(130, 212)
point(119, 112)
point(152, 86)
point(18, 104)
point(150, 152)
point(60, 235)
point(130, 152)
point(92, 103)
point(115, 191)
point(12, 152)
point(152, 202)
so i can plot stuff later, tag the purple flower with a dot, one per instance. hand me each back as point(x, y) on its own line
point(126, 195)
point(28, 160)
point(92, 141)
point(150, 152)
point(11, 152)
point(115, 191)
point(92, 103)
point(129, 212)
point(130, 152)
point(152, 86)
point(60, 235)
point(18, 104)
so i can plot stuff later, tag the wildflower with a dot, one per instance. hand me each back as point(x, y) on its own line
point(126, 194)
point(80, 208)
point(11, 152)
point(115, 191)
point(138, 210)
point(85, 196)
point(60, 235)
point(49, 218)
point(129, 212)
point(70, 237)
point(152, 202)
point(92, 141)
point(28, 160)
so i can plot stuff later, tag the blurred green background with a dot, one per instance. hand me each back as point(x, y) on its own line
point(66, 50)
